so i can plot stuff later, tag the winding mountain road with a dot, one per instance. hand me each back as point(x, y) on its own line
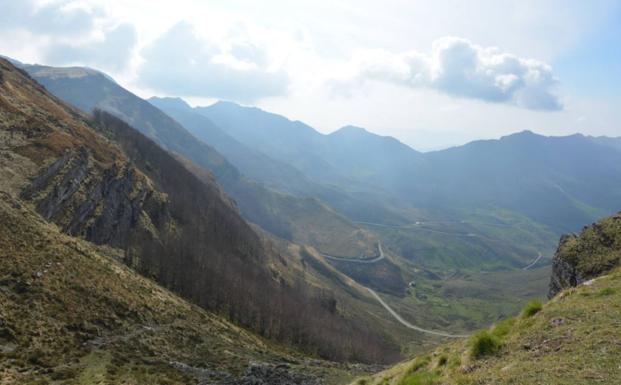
point(358, 260)
point(384, 304)
point(533, 263)
point(409, 325)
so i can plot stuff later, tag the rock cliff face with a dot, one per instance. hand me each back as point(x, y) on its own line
point(564, 272)
point(102, 205)
point(580, 257)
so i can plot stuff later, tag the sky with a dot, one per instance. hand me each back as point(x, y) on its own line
point(431, 73)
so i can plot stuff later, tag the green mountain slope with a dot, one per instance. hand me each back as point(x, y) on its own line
point(561, 182)
point(581, 257)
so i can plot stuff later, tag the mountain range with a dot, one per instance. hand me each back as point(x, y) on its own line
point(517, 172)
point(486, 205)
point(167, 230)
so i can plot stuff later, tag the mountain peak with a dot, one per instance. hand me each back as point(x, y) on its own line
point(227, 104)
point(169, 102)
point(522, 134)
point(351, 131)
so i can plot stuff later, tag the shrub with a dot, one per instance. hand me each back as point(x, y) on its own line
point(484, 343)
point(442, 360)
point(502, 328)
point(531, 308)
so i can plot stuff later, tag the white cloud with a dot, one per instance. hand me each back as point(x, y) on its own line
point(181, 62)
point(55, 18)
point(459, 68)
point(280, 55)
point(67, 32)
point(112, 51)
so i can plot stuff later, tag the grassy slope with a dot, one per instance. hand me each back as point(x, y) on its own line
point(70, 312)
point(575, 339)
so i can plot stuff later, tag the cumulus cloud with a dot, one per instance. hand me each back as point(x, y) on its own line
point(112, 51)
point(55, 18)
point(181, 62)
point(460, 68)
point(67, 32)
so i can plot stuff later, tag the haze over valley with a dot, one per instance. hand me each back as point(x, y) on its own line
point(175, 210)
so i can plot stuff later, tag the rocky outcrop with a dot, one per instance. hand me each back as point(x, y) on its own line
point(581, 257)
point(102, 205)
point(564, 272)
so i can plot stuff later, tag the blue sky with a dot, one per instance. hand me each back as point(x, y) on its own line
point(593, 66)
point(431, 73)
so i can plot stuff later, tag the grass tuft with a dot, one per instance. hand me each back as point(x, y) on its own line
point(442, 360)
point(422, 378)
point(483, 344)
point(502, 328)
point(531, 308)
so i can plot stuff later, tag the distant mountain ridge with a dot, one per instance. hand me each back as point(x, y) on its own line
point(350, 157)
point(254, 163)
point(561, 182)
